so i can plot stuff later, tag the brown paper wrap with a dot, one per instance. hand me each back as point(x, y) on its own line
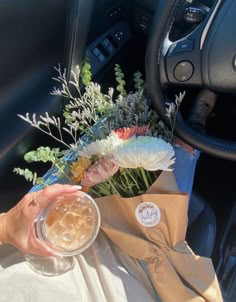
point(178, 275)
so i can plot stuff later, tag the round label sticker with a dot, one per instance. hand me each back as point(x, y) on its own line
point(148, 214)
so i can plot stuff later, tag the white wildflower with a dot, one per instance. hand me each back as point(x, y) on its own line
point(170, 110)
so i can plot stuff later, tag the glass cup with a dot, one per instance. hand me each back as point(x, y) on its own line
point(66, 227)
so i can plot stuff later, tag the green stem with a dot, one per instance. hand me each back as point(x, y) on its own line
point(121, 185)
point(132, 177)
point(95, 192)
point(129, 186)
point(113, 187)
point(61, 171)
point(149, 176)
point(104, 189)
point(144, 176)
point(173, 122)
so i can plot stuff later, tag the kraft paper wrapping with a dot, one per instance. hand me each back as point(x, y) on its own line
point(178, 275)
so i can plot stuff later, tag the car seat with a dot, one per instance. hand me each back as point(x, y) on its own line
point(201, 231)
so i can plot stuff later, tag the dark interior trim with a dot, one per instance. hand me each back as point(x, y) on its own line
point(79, 16)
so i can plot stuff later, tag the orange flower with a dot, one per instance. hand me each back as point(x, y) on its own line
point(126, 133)
point(79, 167)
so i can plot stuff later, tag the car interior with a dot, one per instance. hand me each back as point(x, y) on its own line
point(178, 45)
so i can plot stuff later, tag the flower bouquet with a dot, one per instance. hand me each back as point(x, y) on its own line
point(119, 153)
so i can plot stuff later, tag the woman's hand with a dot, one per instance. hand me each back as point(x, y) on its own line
point(17, 225)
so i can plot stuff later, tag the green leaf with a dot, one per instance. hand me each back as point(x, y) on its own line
point(43, 154)
point(28, 175)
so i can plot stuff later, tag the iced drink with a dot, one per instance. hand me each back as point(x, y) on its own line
point(70, 223)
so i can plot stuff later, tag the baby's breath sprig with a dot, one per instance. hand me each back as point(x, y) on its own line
point(45, 124)
point(85, 111)
point(64, 90)
point(80, 113)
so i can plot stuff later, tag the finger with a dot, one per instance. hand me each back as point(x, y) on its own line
point(39, 249)
point(35, 201)
point(41, 198)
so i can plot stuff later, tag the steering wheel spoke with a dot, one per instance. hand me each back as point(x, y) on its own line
point(183, 63)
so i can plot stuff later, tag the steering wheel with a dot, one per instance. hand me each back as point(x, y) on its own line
point(203, 55)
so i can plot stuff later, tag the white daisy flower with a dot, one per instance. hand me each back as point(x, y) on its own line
point(101, 147)
point(151, 153)
point(90, 150)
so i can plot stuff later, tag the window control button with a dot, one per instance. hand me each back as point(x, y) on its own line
point(101, 58)
point(96, 52)
point(106, 42)
point(108, 46)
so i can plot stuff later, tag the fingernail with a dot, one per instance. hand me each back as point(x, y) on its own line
point(78, 187)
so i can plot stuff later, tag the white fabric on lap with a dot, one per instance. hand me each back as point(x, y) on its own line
point(101, 274)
